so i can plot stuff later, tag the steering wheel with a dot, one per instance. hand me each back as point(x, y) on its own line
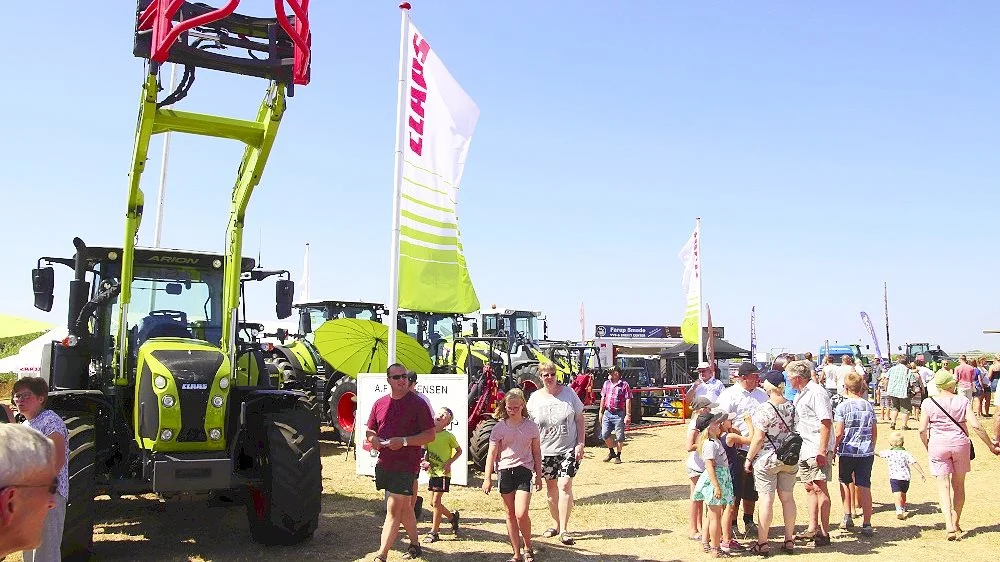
point(176, 315)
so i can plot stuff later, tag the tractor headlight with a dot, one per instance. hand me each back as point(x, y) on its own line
point(224, 383)
point(217, 401)
point(166, 435)
point(160, 382)
point(169, 400)
point(215, 434)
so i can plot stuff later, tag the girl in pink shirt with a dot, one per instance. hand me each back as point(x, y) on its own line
point(515, 450)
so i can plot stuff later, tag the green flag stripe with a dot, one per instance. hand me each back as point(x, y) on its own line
point(435, 174)
point(429, 188)
point(410, 250)
point(428, 205)
point(429, 238)
point(429, 222)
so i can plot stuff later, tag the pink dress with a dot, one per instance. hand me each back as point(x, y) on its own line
point(948, 448)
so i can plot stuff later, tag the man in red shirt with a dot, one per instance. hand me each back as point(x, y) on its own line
point(965, 374)
point(399, 425)
point(615, 412)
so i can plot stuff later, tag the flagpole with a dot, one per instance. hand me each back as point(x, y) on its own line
point(305, 275)
point(885, 300)
point(397, 180)
point(697, 265)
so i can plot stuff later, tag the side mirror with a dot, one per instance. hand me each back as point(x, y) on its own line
point(284, 291)
point(43, 280)
point(174, 288)
point(305, 322)
point(281, 334)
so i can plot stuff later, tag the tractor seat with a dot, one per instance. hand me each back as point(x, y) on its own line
point(161, 327)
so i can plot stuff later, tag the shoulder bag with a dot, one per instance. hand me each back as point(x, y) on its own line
point(789, 448)
point(972, 448)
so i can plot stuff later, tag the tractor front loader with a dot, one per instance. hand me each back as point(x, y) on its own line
point(147, 380)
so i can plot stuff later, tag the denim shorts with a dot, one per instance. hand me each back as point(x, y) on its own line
point(613, 423)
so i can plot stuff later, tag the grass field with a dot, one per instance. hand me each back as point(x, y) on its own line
point(636, 511)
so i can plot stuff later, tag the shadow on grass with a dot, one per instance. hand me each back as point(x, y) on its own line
point(647, 461)
point(986, 529)
point(637, 495)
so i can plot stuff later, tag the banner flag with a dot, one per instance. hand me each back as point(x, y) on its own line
point(436, 131)
point(690, 256)
point(871, 332)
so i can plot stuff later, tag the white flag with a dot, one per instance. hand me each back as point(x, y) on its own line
point(436, 133)
point(690, 256)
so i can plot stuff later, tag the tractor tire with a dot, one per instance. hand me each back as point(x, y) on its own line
point(479, 443)
point(286, 373)
point(78, 528)
point(343, 406)
point(526, 378)
point(285, 508)
point(592, 425)
point(309, 404)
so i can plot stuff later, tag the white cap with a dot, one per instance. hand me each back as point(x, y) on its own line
point(704, 365)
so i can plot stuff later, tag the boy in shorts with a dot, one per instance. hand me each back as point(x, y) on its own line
point(441, 453)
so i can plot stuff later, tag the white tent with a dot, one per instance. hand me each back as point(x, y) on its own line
point(28, 362)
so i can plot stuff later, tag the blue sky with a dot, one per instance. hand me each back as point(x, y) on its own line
point(827, 148)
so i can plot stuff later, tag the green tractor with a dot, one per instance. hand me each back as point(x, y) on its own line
point(147, 380)
point(331, 395)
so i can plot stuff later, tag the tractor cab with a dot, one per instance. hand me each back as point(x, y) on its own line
point(313, 314)
point(515, 325)
point(934, 358)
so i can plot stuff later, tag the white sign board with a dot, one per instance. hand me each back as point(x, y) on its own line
point(451, 391)
point(606, 351)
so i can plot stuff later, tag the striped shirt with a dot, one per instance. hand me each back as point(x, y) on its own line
point(614, 395)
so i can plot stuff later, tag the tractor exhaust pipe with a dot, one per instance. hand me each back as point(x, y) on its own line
point(79, 288)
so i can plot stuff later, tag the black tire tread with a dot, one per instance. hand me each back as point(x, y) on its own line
point(527, 372)
point(293, 480)
point(479, 443)
point(592, 425)
point(78, 528)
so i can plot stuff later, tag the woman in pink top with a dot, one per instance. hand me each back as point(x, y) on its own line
point(515, 450)
point(944, 421)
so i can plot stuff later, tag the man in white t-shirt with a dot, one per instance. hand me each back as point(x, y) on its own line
point(829, 378)
point(926, 375)
point(845, 368)
point(742, 398)
point(814, 423)
point(706, 384)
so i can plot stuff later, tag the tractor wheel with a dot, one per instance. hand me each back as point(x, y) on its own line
point(343, 407)
point(309, 404)
point(479, 443)
point(284, 509)
point(286, 373)
point(593, 428)
point(78, 529)
point(526, 378)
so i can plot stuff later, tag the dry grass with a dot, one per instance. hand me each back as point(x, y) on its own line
point(630, 512)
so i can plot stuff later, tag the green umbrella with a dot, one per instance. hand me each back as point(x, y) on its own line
point(11, 326)
point(355, 346)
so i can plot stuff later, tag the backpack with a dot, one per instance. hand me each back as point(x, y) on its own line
point(787, 450)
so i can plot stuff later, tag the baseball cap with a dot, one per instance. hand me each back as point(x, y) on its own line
point(702, 402)
point(747, 369)
point(705, 420)
point(774, 378)
point(704, 365)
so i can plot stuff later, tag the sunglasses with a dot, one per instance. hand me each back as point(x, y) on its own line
point(22, 396)
point(52, 488)
point(397, 377)
point(547, 375)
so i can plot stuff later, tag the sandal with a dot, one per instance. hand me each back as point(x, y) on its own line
point(788, 547)
point(514, 559)
point(952, 536)
point(378, 559)
point(431, 538)
point(550, 532)
point(566, 539)
point(807, 535)
point(529, 555)
point(761, 549)
point(413, 552)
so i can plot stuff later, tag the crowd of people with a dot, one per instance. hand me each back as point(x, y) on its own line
point(748, 443)
point(757, 438)
point(537, 442)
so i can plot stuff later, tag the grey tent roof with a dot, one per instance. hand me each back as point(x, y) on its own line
point(723, 350)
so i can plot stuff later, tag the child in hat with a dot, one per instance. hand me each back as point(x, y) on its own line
point(715, 486)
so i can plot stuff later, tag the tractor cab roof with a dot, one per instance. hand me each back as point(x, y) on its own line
point(157, 257)
point(339, 304)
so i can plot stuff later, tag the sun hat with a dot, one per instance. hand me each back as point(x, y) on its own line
point(704, 365)
point(944, 379)
point(705, 420)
